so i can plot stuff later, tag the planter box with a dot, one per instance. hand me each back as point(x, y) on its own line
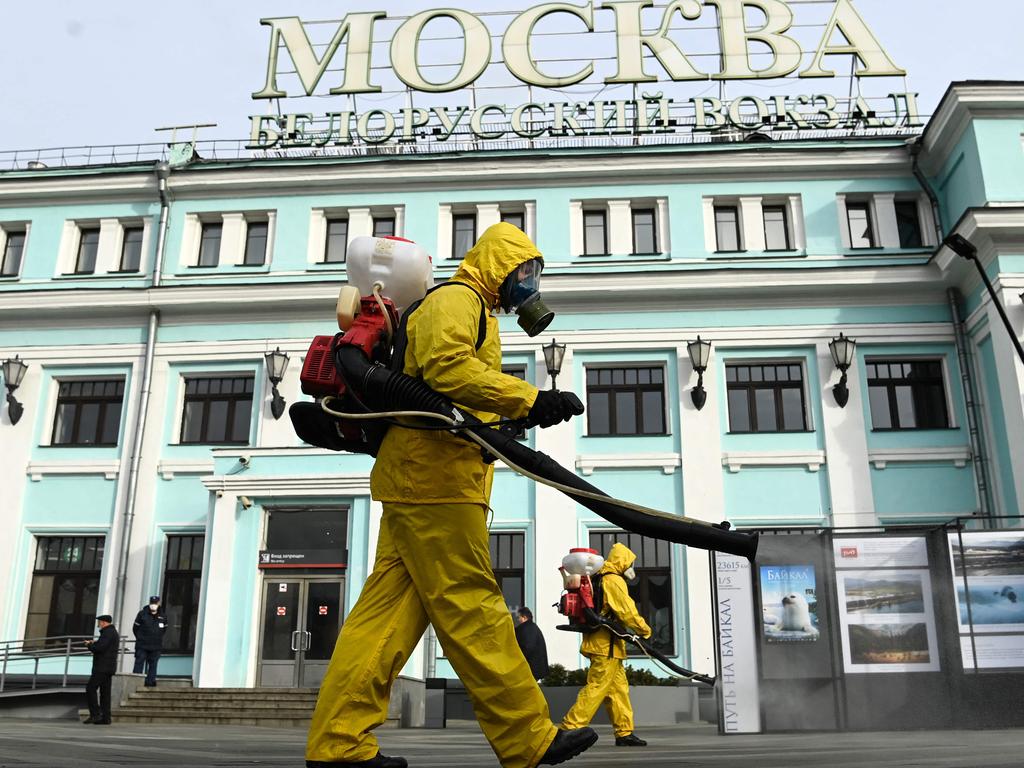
point(652, 704)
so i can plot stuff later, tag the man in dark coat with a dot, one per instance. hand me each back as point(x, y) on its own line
point(531, 643)
point(149, 628)
point(104, 664)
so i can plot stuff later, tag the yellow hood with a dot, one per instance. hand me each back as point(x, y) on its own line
point(620, 557)
point(499, 250)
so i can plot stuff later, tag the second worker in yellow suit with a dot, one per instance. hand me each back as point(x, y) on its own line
point(433, 560)
point(606, 678)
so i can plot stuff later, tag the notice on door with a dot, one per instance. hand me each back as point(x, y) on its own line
point(282, 610)
point(322, 610)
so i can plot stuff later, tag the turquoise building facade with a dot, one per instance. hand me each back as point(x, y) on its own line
point(145, 300)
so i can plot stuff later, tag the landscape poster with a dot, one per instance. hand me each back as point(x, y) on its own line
point(887, 621)
point(989, 580)
point(789, 604)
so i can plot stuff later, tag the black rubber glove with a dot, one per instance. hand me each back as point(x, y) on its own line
point(552, 407)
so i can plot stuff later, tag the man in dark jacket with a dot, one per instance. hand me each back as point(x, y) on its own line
point(531, 643)
point(149, 628)
point(104, 664)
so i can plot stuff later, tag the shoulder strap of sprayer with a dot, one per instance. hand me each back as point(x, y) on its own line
point(402, 335)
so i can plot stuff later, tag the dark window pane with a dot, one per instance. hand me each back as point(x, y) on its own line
point(859, 218)
point(463, 234)
point(653, 413)
point(727, 229)
point(625, 413)
point(88, 244)
point(606, 376)
point(930, 406)
point(644, 236)
point(218, 410)
point(515, 218)
point(776, 232)
point(793, 409)
point(618, 376)
point(209, 244)
point(63, 427)
point(192, 422)
point(383, 226)
point(598, 413)
point(908, 223)
point(739, 411)
point(337, 241)
point(217, 421)
point(905, 407)
point(131, 249)
point(14, 247)
point(88, 413)
point(764, 410)
point(88, 423)
point(595, 235)
point(241, 421)
point(255, 243)
point(878, 397)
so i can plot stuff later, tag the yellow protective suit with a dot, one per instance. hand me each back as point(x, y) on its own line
point(606, 678)
point(433, 559)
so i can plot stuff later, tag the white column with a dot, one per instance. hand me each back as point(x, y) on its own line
point(444, 233)
point(710, 237)
point(317, 240)
point(575, 228)
point(399, 221)
point(796, 219)
point(753, 223)
point(556, 525)
point(360, 222)
point(216, 598)
point(108, 251)
point(620, 227)
point(66, 251)
point(487, 214)
point(846, 446)
point(888, 231)
point(190, 233)
point(1010, 375)
point(271, 236)
point(703, 498)
point(844, 222)
point(530, 220)
point(232, 239)
point(664, 236)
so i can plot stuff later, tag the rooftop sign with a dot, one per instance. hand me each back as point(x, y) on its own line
point(642, 55)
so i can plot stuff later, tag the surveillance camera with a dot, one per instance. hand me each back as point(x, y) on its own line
point(245, 501)
point(244, 461)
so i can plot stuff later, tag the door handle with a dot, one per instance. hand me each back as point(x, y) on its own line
point(294, 647)
point(309, 640)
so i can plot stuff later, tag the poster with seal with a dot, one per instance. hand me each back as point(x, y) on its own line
point(789, 604)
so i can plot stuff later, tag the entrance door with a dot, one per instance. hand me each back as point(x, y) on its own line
point(301, 621)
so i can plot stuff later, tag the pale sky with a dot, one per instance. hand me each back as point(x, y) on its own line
point(76, 73)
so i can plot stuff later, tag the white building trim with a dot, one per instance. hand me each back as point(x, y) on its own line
point(958, 455)
point(108, 468)
point(734, 461)
point(667, 462)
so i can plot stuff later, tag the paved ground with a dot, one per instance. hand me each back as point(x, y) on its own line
point(61, 743)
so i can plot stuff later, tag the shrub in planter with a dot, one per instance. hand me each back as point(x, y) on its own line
point(560, 676)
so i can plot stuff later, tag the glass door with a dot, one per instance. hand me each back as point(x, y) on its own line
point(301, 621)
point(320, 629)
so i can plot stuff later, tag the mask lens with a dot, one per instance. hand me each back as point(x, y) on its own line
point(526, 282)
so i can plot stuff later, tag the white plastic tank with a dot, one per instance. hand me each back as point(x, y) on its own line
point(582, 561)
point(403, 269)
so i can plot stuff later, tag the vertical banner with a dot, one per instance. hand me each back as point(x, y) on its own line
point(738, 696)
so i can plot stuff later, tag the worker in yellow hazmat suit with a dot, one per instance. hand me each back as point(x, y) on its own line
point(606, 678)
point(433, 559)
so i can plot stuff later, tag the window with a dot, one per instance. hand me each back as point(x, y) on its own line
point(727, 228)
point(183, 574)
point(383, 226)
point(209, 244)
point(766, 398)
point(859, 217)
point(88, 412)
point(463, 234)
point(645, 238)
point(519, 371)
point(14, 247)
point(217, 410)
point(88, 244)
point(131, 249)
point(255, 243)
point(65, 586)
point(595, 233)
point(907, 394)
point(776, 228)
point(507, 557)
point(337, 241)
point(652, 588)
point(626, 401)
point(515, 218)
point(909, 224)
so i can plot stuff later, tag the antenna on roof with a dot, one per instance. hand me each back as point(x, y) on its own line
point(182, 152)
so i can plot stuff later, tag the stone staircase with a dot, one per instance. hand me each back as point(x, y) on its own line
point(181, 703)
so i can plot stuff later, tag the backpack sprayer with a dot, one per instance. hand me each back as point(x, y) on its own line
point(360, 389)
point(582, 602)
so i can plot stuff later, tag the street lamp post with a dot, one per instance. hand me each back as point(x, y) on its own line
point(553, 355)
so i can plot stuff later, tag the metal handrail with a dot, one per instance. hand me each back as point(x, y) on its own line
point(37, 649)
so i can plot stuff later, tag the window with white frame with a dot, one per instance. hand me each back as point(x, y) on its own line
point(634, 227)
point(508, 561)
point(256, 235)
point(885, 220)
point(906, 394)
point(12, 248)
point(332, 229)
point(210, 235)
point(131, 248)
point(766, 397)
point(627, 400)
point(727, 229)
point(102, 246)
point(88, 247)
point(738, 224)
point(515, 218)
point(463, 234)
point(776, 228)
point(460, 225)
point(236, 239)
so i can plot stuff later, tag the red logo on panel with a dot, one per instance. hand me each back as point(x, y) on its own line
point(847, 551)
point(281, 610)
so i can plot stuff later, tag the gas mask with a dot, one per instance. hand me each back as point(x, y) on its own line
point(520, 292)
point(629, 574)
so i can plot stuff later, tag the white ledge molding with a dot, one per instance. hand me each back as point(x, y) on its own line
point(289, 485)
point(736, 460)
point(667, 462)
point(958, 455)
point(168, 469)
point(109, 468)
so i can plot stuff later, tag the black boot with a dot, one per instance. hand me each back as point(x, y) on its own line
point(631, 740)
point(378, 761)
point(90, 720)
point(568, 744)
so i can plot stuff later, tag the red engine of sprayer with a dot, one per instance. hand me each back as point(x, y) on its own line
point(577, 598)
